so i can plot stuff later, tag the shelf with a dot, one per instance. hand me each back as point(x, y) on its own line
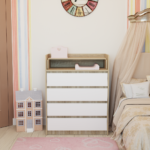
point(68, 64)
point(73, 69)
point(78, 58)
point(81, 57)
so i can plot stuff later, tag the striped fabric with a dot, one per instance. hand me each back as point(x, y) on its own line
point(21, 36)
point(134, 6)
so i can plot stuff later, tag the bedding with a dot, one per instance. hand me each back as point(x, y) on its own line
point(132, 117)
point(133, 128)
point(136, 90)
point(133, 81)
point(125, 101)
point(140, 90)
point(127, 90)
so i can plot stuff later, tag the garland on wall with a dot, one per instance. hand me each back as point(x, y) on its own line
point(21, 43)
point(134, 6)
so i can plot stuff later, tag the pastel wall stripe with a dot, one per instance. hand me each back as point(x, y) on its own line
point(143, 4)
point(147, 42)
point(19, 46)
point(29, 44)
point(21, 39)
point(127, 13)
point(26, 45)
point(148, 3)
point(134, 6)
point(143, 50)
point(137, 6)
point(15, 49)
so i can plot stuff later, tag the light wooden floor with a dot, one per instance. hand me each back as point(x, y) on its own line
point(8, 136)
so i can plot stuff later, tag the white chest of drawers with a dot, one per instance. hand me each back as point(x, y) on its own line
point(77, 101)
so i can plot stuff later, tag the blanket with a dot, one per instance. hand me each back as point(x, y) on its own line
point(133, 128)
point(124, 102)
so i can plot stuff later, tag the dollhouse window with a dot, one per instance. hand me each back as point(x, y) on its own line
point(29, 104)
point(20, 123)
point(29, 113)
point(20, 105)
point(20, 114)
point(37, 104)
point(38, 121)
point(38, 113)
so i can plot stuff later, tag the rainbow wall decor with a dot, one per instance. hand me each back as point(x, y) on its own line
point(21, 36)
point(135, 6)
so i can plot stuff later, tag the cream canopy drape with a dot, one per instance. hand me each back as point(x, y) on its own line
point(128, 56)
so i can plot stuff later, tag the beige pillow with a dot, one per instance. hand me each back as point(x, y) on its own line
point(133, 81)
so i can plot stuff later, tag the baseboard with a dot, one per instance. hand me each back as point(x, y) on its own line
point(14, 121)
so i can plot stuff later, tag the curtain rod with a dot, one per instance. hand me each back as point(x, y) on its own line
point(139, 17)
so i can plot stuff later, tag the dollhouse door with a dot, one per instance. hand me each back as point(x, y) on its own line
point(29, 124)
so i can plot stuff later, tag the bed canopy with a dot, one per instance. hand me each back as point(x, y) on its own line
point(126, 65)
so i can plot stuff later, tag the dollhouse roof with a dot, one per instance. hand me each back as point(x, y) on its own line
point(35, 95)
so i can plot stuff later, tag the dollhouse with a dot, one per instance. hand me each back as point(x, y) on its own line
point(29, 111)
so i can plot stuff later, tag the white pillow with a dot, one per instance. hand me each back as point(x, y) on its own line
point(133, 81)
point(127, 90)
point(137, 90)
point(140, 90)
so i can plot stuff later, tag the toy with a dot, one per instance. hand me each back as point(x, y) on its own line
point(95, 67)
point(29, 115)
point(59, 52)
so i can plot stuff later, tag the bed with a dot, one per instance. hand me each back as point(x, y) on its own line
point(132, 117)
point(132, 121)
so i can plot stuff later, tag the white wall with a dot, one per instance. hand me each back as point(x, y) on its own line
point(100, 32)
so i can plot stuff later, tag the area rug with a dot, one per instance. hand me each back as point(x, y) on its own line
point(65, 143)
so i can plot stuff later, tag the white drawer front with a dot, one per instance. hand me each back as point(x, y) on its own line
point(77, 124)
point(89, 109)
point(77, 94)
point(76, 79)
